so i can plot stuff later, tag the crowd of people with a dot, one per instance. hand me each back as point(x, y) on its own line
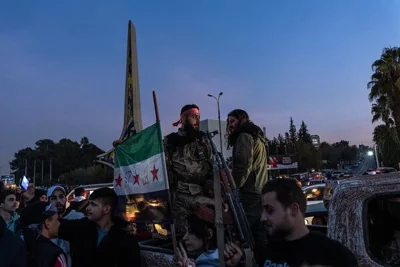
point(41, 232)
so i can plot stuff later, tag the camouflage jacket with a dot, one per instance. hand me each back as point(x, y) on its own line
point(189, 163)
point(249, 163)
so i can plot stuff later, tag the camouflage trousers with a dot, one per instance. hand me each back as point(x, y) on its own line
point(184, 205)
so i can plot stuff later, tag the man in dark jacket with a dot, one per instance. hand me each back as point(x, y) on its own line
point(42, 223)
point(12, 248)
point(249, 168)
point(101, 239)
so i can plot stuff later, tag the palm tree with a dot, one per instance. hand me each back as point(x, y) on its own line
point(384, 87)
point(386, 139)
point(381, 111)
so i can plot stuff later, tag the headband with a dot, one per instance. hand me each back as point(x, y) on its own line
point(184, 114)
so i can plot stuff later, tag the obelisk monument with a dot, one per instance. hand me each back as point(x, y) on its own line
point(132, 107)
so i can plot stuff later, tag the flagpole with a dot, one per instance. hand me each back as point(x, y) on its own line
point(173, 234)
point(156, 107)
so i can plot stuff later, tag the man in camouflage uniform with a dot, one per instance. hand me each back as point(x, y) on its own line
point(249, 169)
point(189, 163)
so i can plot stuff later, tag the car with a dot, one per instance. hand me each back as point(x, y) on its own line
point(363, 215)
point(386, 170)
point(88, 190)
point(301, 177)
point(314, 193)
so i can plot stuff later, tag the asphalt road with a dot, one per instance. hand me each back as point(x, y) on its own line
point(368, 163)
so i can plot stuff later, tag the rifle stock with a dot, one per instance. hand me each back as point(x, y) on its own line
point(232, 197)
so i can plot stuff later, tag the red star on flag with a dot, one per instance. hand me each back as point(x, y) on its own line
point(136, 177)
point(118, 181)
point(154, 172)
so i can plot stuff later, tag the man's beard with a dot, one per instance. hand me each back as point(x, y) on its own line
point(60, 208)
point(279, 232)
point(191, 132)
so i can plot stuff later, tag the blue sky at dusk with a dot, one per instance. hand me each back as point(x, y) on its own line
point(62, 65)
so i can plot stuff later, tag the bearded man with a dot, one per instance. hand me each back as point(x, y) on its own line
point(249, 169)
point(189, 163)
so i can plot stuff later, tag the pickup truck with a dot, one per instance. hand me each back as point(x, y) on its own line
point(363, 213)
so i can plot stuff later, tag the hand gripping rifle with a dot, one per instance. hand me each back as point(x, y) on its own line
point(232, 197)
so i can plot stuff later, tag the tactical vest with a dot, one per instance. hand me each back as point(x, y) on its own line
point(188, 162)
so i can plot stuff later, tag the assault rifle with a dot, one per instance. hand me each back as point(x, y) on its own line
point(231, 194)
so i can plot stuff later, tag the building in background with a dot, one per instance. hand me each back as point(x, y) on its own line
point(315, 141)
point(213, 125)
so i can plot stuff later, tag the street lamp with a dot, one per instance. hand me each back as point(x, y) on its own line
point(371, 153)
point(219, 117)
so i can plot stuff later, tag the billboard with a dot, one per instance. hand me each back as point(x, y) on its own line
point(282, 162)
point(8, 178)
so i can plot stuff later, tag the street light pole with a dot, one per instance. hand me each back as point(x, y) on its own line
point(376, 157)
point(219, 118)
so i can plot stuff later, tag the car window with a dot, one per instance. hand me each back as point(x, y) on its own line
point(381, 227)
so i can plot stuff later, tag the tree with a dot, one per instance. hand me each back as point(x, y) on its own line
point(282, 145)
point(304, 134)
point(91, 175)
point(386, 139)
point(307, 156)
point(292, 131)
point(381, 111)
point(384, 86)
point(66, 155)
point(385, 94)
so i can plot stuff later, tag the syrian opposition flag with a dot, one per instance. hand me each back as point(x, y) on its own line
point(140, 177)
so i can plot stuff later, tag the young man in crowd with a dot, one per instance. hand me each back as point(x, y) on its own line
point(8, 206)
point(249, 169)
point(12, 248)
point(101, 239)
point(57, 196)
point(42, 218)
point(291, 242)
point(79, 194)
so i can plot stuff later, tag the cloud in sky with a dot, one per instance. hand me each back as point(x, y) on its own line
point(62, 65)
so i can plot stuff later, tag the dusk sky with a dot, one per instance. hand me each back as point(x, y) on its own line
point(62, 65)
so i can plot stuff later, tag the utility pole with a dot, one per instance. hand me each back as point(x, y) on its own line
point(26, 168)
point(376, 156)
point(34, 172)
point(42, 172)
point(50, 172)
